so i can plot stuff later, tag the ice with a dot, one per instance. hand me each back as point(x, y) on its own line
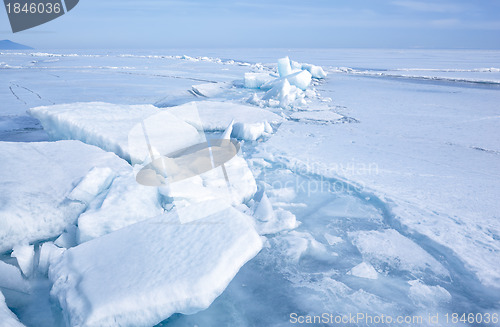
point(68, 238)
point(264, 209)
point(25, 255)
point(280, 91)
point(142, 274)
point(33, 211)
point(249, 122)
point(284, 68)
point(364, 270)
point(212, 185)
point(251, 132)
point(108, 126)
point(316, 71)
point(210, 90)
point(49, 254)
point(317, 116)
point(390, 247)
point(301, 79)
point(126, 203)
point(97, 180)
point(256, 80)
point(7, 318)
point(425, 296)
point(11, 279)
point(332, 240)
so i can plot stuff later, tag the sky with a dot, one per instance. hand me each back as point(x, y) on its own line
point(161, 24)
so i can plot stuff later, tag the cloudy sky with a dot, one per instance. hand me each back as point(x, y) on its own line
point(269, 23)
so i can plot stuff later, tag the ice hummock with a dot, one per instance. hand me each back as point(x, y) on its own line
point(36, 181)
point(108, 126)
point(250, 123)
point(142, 274)
point(288, 90)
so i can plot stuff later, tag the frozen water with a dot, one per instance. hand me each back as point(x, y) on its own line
point(49, 254)
point(125, 203)
point(301, 79)
point(36, 211)
point(11, 279)
point(284, 68)
point(142, 274)
point(90, 123)
point(364, 270)
point(250, 123)
point(391, 146)
point(7, 318)
point(388, 247)
point(25, 255)
point(256, 80)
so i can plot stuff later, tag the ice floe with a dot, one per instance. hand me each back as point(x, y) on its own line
point(250, 123)
point(142, 274)
point(108, 126)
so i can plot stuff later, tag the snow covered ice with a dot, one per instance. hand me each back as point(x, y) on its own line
point(365, 182)
point(34, 211)
point(142, 274)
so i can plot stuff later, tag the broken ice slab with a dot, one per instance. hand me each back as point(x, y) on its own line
point(108, 126)
point(7, 317)
point(35, 180)
point(256, 80)
point(284, 67)
point(249, 122)
point(142, 274)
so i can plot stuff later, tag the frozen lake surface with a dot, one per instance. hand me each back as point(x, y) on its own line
point(383, 183)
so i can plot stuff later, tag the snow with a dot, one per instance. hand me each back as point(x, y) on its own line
point(364, 270)
point(25, 255)
point(142, 274)
point(249, 122)
point(36, 211)
point(7, 318)
point(90, 123)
